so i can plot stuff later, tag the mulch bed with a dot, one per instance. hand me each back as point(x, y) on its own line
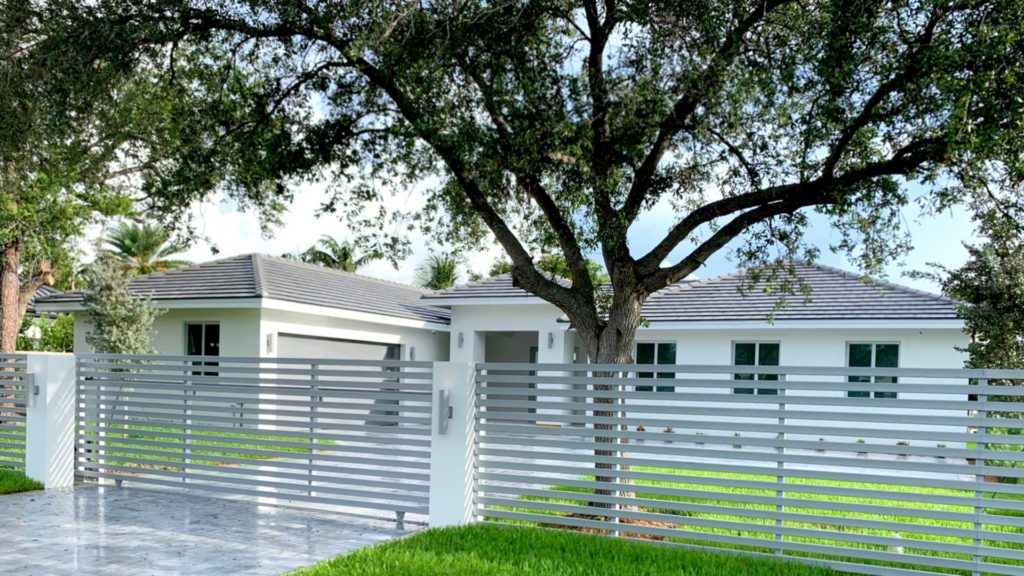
point(622, 521)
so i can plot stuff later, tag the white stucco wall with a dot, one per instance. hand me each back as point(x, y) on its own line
point(826, 346)
point(239, 336)
point(424, 343)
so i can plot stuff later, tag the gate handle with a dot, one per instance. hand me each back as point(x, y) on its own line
point(444, 411)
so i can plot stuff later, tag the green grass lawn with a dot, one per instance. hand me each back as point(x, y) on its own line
point(203, 444)
point(488, 550)
point(11, 482)
point(684, 510)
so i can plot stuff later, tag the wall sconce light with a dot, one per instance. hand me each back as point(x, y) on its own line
point(460, 339)
point(412, 352)
point(551, 340)
point(270, 343)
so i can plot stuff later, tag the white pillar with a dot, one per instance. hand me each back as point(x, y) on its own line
point(452, 484)
point(50, 421)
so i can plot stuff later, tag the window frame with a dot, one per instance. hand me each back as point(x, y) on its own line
point(874, 364)
point(754, 391)
point(656, 375)
point(220, 339)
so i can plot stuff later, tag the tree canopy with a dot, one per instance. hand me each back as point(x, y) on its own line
point(557, 126)
point(438, 271)
point(119, 322)
point(340, 255)
point(144, 248)
point(990, 290)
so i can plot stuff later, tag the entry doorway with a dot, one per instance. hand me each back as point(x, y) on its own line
point(518, 347)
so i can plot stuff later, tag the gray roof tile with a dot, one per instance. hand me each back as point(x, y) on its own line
point(835, 295)
point(42, 292)
point(260, 276)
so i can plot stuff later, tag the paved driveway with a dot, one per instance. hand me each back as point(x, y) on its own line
point(95, 530)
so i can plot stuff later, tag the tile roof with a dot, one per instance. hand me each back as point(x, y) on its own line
point(835, 295)
point(42, 292)
point(493, 287)
point(261, 276)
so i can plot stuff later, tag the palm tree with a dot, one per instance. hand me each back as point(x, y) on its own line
point(440, 271)
point(144, 249)
point(330, 253)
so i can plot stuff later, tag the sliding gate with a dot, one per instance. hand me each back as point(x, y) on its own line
point(351, 434)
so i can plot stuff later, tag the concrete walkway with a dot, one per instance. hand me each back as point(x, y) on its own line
point(95, 530)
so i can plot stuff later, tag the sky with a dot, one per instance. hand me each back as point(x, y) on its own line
point(232, 232)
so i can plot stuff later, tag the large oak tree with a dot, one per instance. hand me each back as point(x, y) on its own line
point(557, 125)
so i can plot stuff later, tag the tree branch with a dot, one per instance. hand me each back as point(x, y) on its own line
point(706, 82)
point(800, 194)
point(725, 234)
point(532, 184)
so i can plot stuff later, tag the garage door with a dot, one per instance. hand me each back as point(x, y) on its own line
point(297, 346)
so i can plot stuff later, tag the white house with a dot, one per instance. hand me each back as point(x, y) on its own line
point(846, 323)
point(254, 305)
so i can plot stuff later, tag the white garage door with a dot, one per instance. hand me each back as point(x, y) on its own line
point(296, 346)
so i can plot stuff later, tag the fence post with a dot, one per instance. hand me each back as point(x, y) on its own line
point(314, 400)
point(979, 479)
point(50, 421)
point(780, 479)
point(453, 444)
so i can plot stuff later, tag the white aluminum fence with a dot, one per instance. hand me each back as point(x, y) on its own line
point(920, 475)
point(14, 396)
point(351, 434)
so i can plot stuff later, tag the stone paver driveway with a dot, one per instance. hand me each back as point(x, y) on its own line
point(94, 530)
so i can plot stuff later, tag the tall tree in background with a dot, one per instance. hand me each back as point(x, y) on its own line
point(990, 287)
point(65, 98)
point(555, 126)
point(144, 248)
point(120, 323)
point(437, 272)
point(331, 253)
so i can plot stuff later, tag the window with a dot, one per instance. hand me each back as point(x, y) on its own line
point(656, 353)
point(203, 340)
point(871, 355)
point(756, 354)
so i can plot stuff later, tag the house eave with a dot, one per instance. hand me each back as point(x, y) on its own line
point(264, 304)
point(287, 306)
point(886, 324)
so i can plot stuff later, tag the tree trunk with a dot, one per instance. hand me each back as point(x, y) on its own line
point(614, 346)
point(11, 310)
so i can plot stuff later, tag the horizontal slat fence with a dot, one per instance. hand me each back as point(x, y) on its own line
point(348, 433)
point(13, 401)
point(869, 470)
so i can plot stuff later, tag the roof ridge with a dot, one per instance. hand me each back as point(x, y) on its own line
point(300, 263)
point(257, 275)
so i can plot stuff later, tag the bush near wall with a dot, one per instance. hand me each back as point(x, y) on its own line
point(56, 334)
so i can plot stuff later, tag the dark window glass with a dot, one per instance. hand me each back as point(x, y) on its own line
point(756, 354)
point(194, 339)
point(211, 340)
point(203, 340)
point(656, 353)
point(873, 356)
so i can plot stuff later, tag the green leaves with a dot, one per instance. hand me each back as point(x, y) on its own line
point(119, 322)
point(553, 127)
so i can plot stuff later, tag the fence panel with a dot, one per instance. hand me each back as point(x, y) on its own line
point(868, 470)
point(14, 396)
point(346, 433)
